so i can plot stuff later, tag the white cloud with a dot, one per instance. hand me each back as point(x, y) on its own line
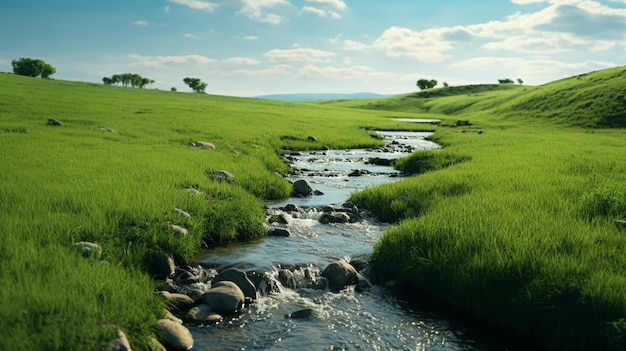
point(561, 26)
point(538, 64)
point(353, 45)
point(255, 10)
point(241, 61)
point(267, 72)
point(338, 4)
point(163, 61)
point(167, 9)
point(250, 37)
point(198, 5)
point(335, 40)
point(141, 23)
point(298, 55)
point(425, 46)
point(320, 12)
point(533, 69)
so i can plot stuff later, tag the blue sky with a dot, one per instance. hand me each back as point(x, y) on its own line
point(255, 47)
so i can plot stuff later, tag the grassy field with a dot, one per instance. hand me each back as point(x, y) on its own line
point(512, 222)
point(113, 174)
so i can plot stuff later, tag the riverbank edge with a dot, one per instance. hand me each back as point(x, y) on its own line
point(534, 328)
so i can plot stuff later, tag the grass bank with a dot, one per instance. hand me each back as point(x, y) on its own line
point(514, 221)
point(113, 174)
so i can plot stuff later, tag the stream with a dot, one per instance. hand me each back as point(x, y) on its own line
point(369, 318)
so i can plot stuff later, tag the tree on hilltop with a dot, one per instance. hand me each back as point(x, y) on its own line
point(32, 68)
point(426, 83)
point(506, 81)
point(126, 79)
point(195, 84)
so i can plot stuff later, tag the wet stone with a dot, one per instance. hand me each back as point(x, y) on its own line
point(279, 232)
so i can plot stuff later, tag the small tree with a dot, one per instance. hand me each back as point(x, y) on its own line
point(520, 81)
point(426, 84)
point(195, 84)
point(32, 68)
point(505, 81)
point(446, 85)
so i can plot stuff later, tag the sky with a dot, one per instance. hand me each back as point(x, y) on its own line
point(258, 47)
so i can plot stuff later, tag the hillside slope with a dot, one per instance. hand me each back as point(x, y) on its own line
point(595, 99)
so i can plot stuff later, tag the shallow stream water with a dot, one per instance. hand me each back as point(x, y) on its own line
point(369, 319)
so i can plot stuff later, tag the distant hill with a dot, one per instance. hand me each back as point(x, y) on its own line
point(594, 100)
point(321, 96)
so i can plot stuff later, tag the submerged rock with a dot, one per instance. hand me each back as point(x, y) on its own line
point(279, 232)
point(224, 297)
point(202, 314)
point(291, 208)
point(302, 187)
point(340, 274)
point(301, 314)
point(173, 335)
point(240, 278)
point(264, 284)
point(334, 217)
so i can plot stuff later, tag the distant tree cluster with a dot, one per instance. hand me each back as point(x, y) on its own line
point(426, 83)
point(195, 84)
point(126, 79)
point(32, 68)
point(510, 81)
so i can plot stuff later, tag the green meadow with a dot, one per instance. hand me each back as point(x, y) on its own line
point(512, 223)
point(113, 174)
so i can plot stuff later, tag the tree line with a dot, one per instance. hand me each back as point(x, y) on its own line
point(38, 68)
point(126, 79)
point(424, 84)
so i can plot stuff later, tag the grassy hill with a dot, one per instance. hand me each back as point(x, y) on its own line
point(516, 221)
point(512, 223)
point(595, 99)
point(113, 174)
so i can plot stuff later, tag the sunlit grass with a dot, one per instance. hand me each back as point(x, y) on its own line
point(113, 174)
point(512, 221)
point(522, 234)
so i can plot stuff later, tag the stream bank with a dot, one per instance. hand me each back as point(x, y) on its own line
point(294, 305)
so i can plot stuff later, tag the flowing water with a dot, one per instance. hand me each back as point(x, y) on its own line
point(370, 318)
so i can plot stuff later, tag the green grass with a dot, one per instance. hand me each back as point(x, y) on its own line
point(512, 222)
point(113, 174)
point(521, 234)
